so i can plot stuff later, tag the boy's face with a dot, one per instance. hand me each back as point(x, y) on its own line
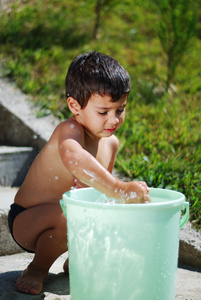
point(102, 117)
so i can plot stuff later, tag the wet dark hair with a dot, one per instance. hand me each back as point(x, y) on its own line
point(96, 73)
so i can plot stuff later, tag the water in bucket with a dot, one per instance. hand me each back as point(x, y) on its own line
point(123, 251)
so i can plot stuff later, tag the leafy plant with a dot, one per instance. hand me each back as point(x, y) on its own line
point(101, 6)
point(176, 28)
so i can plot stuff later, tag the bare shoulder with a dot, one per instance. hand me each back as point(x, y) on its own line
point(70, 129)
point(69, 125)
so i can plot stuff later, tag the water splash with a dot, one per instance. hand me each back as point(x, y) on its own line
point(104, 199)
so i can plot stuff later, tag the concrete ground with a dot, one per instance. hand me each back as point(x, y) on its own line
point(56, 286)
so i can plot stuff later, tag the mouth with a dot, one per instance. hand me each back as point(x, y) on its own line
point(110, 129)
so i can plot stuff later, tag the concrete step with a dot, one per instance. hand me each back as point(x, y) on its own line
point(14, 164)
point(19, 125)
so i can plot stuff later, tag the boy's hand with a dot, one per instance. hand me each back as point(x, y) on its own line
point(130, 192)
point(134, 192)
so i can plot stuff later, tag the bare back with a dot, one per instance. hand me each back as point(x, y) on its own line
point(48, 178)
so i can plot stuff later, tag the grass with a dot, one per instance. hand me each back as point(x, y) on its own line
point(163, 148)
point(160, 141)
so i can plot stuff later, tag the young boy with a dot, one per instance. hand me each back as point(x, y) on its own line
point(82, 150)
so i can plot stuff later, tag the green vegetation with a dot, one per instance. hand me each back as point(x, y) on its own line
point(175, 30)
point(160, 141)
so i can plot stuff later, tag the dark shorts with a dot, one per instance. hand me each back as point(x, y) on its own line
point(14, 211)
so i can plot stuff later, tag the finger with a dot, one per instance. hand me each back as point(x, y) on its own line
point(148, 198)
point(143, 184)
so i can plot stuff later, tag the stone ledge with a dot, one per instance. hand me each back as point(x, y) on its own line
point(7, 244)
point(14, 164)
point(19, 125)
point(190, 247)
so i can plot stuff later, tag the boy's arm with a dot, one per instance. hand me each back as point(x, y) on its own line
point(88, 170)
point(114, 145)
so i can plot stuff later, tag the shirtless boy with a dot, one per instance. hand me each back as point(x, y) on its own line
point(82, 150)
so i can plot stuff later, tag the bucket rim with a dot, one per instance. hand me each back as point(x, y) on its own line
point(166, 204)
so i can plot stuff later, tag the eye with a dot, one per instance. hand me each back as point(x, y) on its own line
point(120, 111)
point(102, 113)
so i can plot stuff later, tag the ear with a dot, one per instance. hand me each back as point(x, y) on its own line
point(73, 105)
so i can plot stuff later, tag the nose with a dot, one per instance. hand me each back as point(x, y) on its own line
point(113, 120)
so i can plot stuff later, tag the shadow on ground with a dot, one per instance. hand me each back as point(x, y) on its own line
point(56, 284)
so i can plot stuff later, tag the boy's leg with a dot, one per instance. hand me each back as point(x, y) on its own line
point(42, 229)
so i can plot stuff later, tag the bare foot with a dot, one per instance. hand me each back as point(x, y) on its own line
point(31, 280)
point(66, 267)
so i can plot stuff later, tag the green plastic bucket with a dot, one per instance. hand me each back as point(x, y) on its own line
point(123, 251)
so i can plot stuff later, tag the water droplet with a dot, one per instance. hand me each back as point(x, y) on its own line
point(56, 177)
point(50, 236)
point(35, 136)
point(72, 125)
